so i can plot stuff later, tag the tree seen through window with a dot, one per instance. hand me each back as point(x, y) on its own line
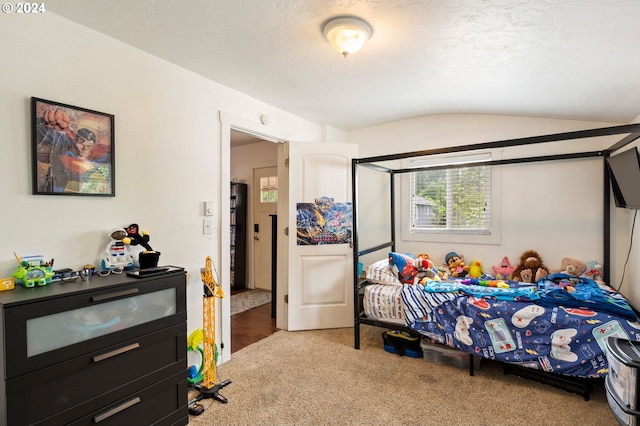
point(453, 199)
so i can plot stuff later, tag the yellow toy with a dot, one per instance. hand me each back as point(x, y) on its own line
point(502, 284)
point(194, 343)
point(475, 270)
point(208, 388)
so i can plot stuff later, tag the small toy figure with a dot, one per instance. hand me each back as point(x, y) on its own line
point(134, 237)
point(148, 258)
point(117, 251)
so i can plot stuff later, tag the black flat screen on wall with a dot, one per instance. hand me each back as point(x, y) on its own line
point(625, 178)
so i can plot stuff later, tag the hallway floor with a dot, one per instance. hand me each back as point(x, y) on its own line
point(251, 326)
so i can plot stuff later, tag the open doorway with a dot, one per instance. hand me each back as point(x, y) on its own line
point(253, 161)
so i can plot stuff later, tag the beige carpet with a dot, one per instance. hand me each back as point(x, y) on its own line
point(318, 378)
point(249, 299)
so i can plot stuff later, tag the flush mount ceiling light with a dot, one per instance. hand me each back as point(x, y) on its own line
point(346, 34)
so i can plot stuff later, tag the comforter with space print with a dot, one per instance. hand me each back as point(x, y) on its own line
point(553, 326)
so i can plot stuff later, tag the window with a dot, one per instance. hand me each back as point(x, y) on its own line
point(269, 189)
point(452, 200)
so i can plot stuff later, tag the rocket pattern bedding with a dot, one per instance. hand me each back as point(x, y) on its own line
point(546, 326)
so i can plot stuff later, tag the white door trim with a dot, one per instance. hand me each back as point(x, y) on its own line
point(228, 122)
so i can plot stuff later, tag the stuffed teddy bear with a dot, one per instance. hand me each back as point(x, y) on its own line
point(573, 267)
point(456, 265)
point(531, 268)
point(504, 271)
point(526, 276)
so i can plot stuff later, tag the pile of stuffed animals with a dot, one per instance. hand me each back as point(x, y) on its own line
point(529, 269)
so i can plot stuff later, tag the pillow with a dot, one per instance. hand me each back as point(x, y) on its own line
point(383, 301)
point(403, 265)
point(381, 272)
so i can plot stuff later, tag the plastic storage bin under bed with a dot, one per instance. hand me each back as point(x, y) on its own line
point(440, 354)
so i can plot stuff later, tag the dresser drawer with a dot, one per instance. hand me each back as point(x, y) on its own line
point(164, 403)
point(44, 333)
point(82, 384)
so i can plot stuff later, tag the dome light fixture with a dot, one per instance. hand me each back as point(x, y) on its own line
point(347, 34)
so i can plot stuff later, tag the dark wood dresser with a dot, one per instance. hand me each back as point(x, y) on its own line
point(107, 351)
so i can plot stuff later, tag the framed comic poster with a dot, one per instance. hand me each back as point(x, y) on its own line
point(72, 150)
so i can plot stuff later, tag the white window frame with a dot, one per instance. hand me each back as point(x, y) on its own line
point(448, 235)
point(270, 188)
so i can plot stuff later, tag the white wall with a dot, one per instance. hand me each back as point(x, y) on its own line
point(554, 208)
point(168, 149)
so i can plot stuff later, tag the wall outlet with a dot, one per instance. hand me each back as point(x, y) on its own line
point(207, 226)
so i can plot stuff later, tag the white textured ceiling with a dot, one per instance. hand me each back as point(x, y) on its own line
point(569, 59)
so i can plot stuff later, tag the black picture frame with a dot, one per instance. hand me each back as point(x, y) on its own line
point(73, 150)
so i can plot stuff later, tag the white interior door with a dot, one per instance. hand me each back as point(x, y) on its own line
point(265, 190)
point(320, 279)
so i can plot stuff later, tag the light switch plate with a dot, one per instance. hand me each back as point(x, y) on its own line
point(208, 208)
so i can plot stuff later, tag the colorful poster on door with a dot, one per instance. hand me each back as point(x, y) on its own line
point(323, 222)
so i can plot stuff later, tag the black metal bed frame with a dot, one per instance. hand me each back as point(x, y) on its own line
point(373, 163)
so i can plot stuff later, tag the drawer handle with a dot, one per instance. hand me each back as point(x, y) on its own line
point(115, 294)
point(113, 353)
point(116, 410)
